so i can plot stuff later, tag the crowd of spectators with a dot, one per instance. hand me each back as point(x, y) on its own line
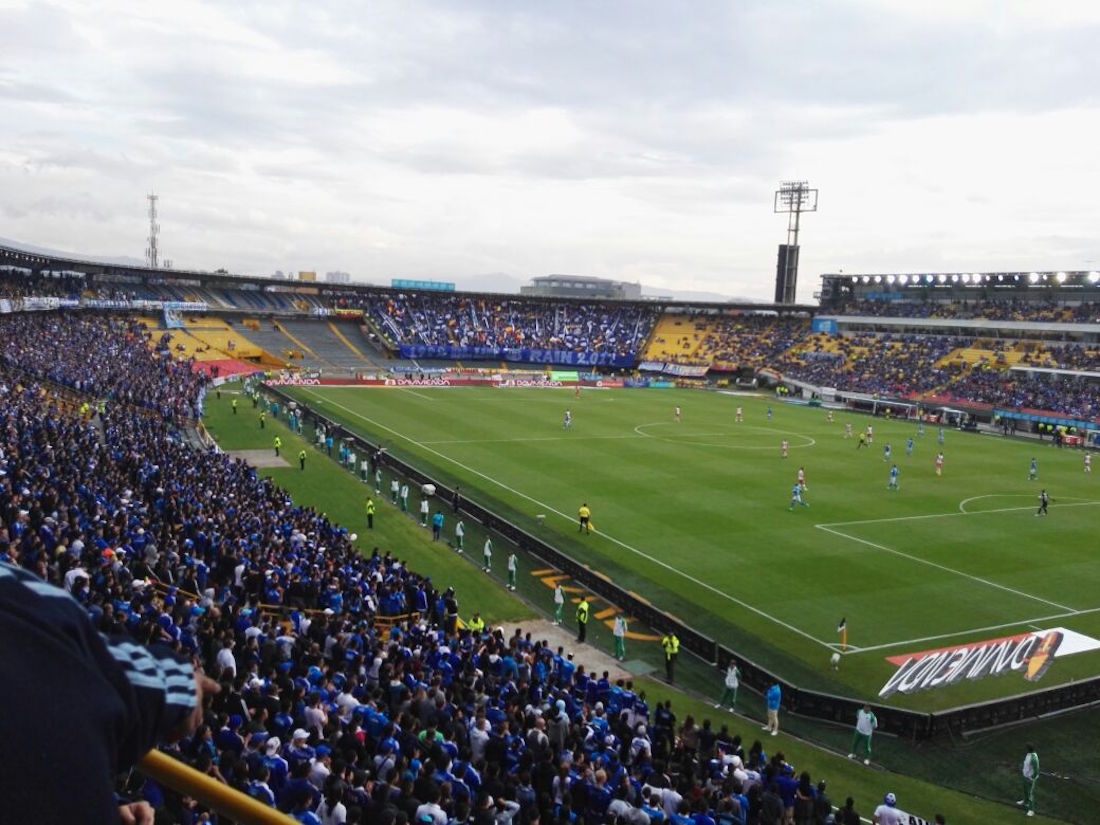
point(106, 358)
point(328, 710)
point(1066, 357)
point(463, 321)
point(1017, 310)
point(16, 285)
point(1076, 397)
point(885, 364)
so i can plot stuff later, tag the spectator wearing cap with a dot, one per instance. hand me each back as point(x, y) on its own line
point(430, 812)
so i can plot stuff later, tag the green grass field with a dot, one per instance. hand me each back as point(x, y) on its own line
point(694, 516)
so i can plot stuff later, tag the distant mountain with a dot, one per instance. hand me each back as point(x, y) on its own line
point(702, 297)
point(120, 260)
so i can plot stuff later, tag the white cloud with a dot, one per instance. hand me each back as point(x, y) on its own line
point(633, 140)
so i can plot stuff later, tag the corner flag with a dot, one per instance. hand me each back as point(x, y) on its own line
point(842, 629)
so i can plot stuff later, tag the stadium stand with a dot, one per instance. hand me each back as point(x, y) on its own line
point(328, 709)
point(461, 320)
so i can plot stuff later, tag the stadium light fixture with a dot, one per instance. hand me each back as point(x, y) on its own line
point(954, 279)
point(890, 279)
point(878, 279)
point(1033, 277)
point(966, 277)
point(903, 279)
point(928, 279)
point(1060, 277)
point(941, 278)
point(866, 279)
point(1094, 277)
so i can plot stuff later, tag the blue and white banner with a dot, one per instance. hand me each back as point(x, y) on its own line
point(523, 355)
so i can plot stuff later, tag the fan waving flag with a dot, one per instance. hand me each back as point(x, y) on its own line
point(842, 629)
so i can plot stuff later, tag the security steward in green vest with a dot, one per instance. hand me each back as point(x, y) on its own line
point(278, 444)
point(370, 513)
point(582, 618)
point(476, 624)
point(302, 459)
point(671, 644)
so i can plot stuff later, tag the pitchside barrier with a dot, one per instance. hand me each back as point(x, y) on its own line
point(815, 704)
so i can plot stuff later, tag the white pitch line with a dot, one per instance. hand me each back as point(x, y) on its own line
point(965, 501)
point(947, 515)
point(986, 629)
point(569, 518)
point(525, 440)
point(944, 567)
point(685, 438)
point(417, 394)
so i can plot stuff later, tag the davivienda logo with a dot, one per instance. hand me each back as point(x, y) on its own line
point(1031, 654)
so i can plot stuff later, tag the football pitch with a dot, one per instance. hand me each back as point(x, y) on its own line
point(695, 516)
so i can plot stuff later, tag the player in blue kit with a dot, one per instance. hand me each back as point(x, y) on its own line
point(909, 447)
point(893, 485)
point(796, 497)
point(1033, 470)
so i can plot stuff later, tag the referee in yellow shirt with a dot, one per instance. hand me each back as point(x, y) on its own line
point(585, 515)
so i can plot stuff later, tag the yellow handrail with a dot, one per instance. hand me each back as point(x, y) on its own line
point(230, 803)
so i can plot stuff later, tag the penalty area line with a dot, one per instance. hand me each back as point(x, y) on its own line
point(944, 567)
point(710, 588)
point(1032, 622)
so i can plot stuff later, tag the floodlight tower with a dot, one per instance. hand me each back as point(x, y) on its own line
point(154, 231)
point(793, 197)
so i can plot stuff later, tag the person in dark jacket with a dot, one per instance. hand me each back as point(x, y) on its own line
point(80, 708)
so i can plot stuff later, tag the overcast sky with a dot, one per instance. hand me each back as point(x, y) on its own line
point(486, 141)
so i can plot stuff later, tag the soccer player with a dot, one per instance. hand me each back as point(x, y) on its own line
point(848, 430)
point(769, 413)
point(559, 603)
point(677, 417)
point(893, 485)
point(1044, 500)
point(404, 498)
point(940, 436)
point(784, 447)
point(802, 478)
point(513, 566)
point(939, 463)
point(862, 440)
point(870, 434)
point(1088, 462)
point(1033, 471)
point(866, 722)
point(829, 417)
point(577, 391)
point(487, 554)
point(460, 534)
point(886, 452)
point(738, 417)
point(909, 447)
point(796, 497)
point(920, 428)
point(395, 490)
point(568, 423)
point(584, 516)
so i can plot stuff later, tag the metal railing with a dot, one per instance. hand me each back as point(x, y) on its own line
point(226, 801)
